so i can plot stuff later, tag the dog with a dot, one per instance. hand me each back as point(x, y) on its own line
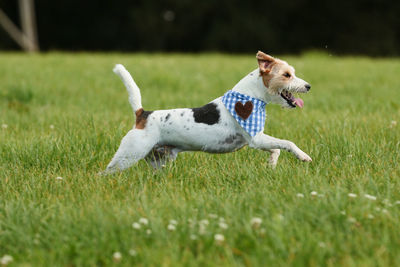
point(226, 124)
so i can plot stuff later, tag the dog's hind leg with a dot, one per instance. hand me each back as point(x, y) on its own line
point(134, 146)
point(159, 156)
point(273, 158)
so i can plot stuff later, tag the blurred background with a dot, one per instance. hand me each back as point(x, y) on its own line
point(356, 27)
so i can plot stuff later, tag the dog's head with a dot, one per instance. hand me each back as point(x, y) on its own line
point(280, 81)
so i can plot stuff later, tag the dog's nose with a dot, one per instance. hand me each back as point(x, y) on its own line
point(308, 87)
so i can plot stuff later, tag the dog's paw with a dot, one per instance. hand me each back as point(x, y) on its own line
point(272, 164)
point(304, 157)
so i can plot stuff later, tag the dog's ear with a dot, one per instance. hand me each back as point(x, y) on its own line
point(265, 62)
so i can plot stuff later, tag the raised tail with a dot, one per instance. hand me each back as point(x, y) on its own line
point(135, 98)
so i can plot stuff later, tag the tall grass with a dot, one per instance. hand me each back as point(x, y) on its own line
point(63, 115)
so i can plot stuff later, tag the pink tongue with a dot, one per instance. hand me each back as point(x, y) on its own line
point(299, 102)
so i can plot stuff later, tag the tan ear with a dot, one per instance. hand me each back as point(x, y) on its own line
point(265, 62)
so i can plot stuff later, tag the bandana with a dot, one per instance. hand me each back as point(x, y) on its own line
point(248, 111)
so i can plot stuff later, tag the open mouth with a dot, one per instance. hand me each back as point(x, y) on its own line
point(291, 100)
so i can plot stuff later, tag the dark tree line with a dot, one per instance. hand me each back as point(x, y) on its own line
point(369, 27)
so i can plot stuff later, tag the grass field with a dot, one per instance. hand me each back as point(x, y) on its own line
point(63, 115)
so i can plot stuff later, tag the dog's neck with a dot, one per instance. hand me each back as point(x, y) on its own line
point(253, 85)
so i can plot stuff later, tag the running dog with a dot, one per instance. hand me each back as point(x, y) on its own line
point(226, 124)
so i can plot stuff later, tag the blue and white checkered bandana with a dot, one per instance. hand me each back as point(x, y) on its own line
point(255, 121)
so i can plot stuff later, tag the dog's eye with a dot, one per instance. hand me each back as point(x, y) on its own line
point(287, 75)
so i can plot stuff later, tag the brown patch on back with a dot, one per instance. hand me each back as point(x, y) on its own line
point(141, 118)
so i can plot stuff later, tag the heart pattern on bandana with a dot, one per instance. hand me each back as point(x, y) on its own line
point(245, 110)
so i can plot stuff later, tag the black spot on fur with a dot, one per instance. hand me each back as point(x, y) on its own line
point(167, 117)
point(170, 123)
point(161, 119)
point(208, 114)
point(237, 139)
point(230, 139)
point(182, 114)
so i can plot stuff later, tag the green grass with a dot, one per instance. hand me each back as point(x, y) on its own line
point(81, 220)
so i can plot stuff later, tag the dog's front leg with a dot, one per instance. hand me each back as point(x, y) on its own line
point(273, 158)
point(266, 142)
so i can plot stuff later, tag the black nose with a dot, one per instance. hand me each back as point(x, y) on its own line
point(308, 87)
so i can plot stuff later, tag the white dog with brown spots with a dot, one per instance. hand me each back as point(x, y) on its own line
point(226, 124)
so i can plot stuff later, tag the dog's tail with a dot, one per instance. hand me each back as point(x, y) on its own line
point(135, 98)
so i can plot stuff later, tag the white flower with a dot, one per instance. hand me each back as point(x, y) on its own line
point(397, 202)
point(202, 229)
point(378, 209)
point(370, 197)
point(171, 227)
point(280, 217)
point(300, 195)
point(370, 216)
point(193, 237)
point(148, 231)
point(59, 178)
point(4, 126)
point(192, 223)
point(321, 244)
point(144, 221)
point(51, 126)
point(219, 238)
point(393, 124)
point(132, 252)
point(352, 220)
point(385, 211)
point(223, 225)
point(352, 195)
point(136, 226)
point(174, 222)
point(255, 222)
point(117, 256)
point(6, 259)
point(204, 222)
point(387, 202)
point(313, 193)
point(213, 216)
point(343, 212)
point(221, 219)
